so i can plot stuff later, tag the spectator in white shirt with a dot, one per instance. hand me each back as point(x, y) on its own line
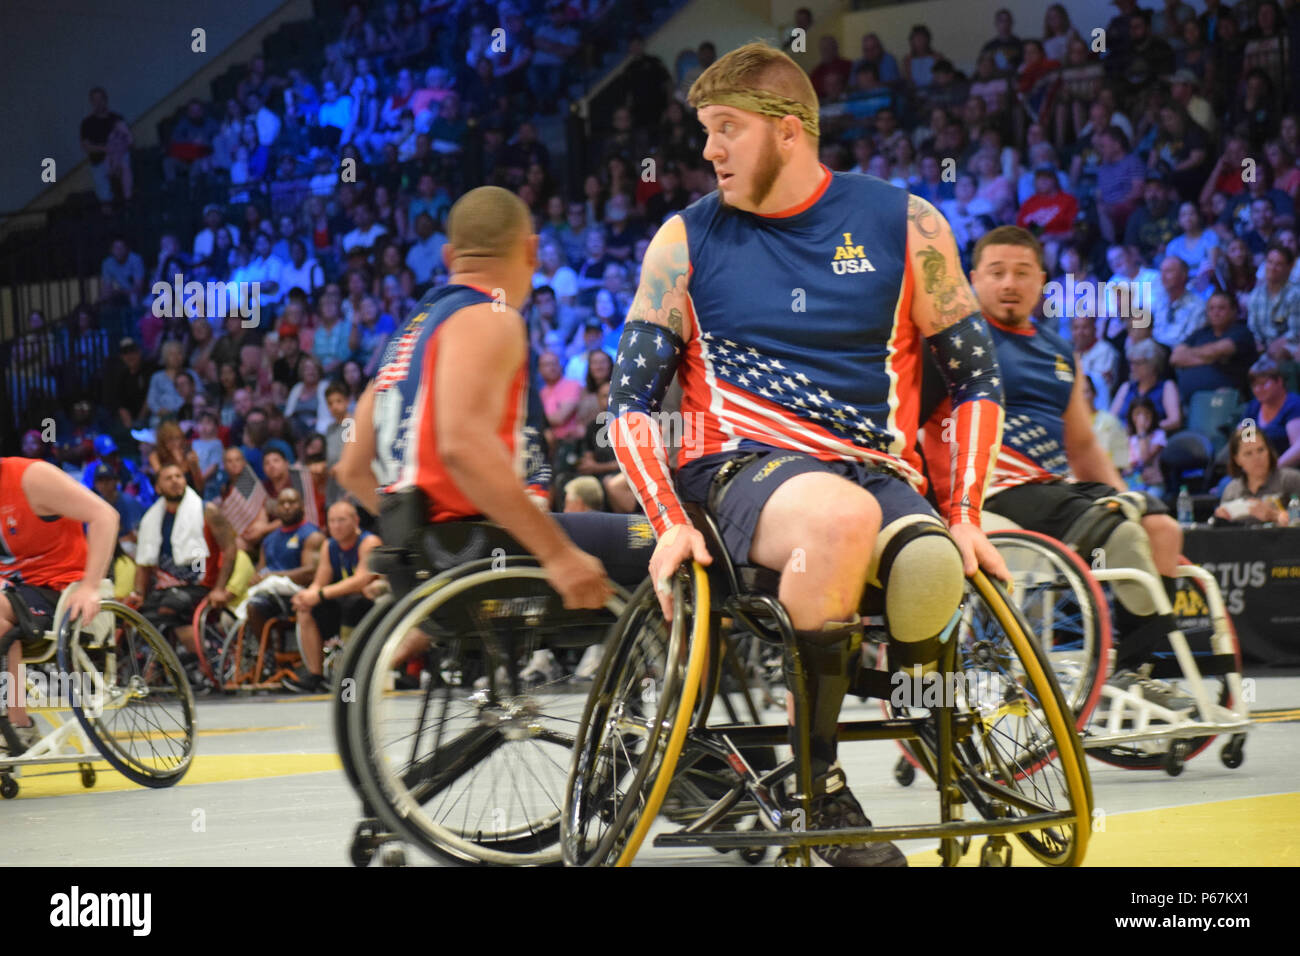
point(268, 124)
point(552, 271)
point(1098, 359)
point(1129, 291)
point(367, 231)
point(265, 268)
point(301, 272)
point(1177, 312)
point(214, 219)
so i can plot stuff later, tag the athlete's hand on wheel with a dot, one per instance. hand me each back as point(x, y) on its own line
point(579, 578)
point(83, 602)
point(679, 543)
point(978, 551)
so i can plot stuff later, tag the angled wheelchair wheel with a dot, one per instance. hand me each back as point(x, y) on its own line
point(211, 628)
point(635, 723)
point(1066, 610)
point(475, 773)
point(130, 694)
point(345, 682)
point(1023, 756)
point(238, 665)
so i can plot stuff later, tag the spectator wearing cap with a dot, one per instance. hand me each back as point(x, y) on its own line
point(1155, 221)
point(125, 472)
point(1176, 311)
point(1219, 354)
point(126, 386)
point(1274, 307)
point(1184, 90)
point(129, 508)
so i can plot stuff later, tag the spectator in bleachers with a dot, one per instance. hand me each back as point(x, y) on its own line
point(1236, 273)
point(705, 54)
point(1111, 436)
point(552, 272)
point(1146, 57)
point(875, 56)
point(207, 445)
point(560, 397)
point(1260, 487)
point(1050, 212)
point(920, 58)
point(1006, 48)
point(1037, 81)
point(214, 220)
point(1130, 289)
point(289, 556)
point(829, 62)
point(1168, 22)
point(1197, 246)
point(1120, 180)
point(591, 272)
point(1154, 222)
point(963, 209)
point(1215, 11)
point(330, 342)
point(172, 448)
point(1145, 443)
point(129, 509)
point(299, 271)
point(1217, 355)
point(1147, 380)
point(335, 598)
point(424, 257)
point(370, 334)
point(106, 140)
point(1268, 49)
point(163, 398)
point(121, 277)
point(1274, 306)
point(336, 403)
point(1098, 360)
point(189, 146)
point(989, 84)
point(306, 405)
point(1176, 311)
point(1275, 410)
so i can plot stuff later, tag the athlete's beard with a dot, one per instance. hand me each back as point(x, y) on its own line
point(766, 170)
point(291, 518)
point(173, 499)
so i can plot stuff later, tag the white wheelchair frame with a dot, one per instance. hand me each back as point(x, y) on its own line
point(67, 742)
point(1146, 720)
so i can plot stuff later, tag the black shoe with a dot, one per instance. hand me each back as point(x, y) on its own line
point(27, 738)
point(303, 681)
point(838, 809)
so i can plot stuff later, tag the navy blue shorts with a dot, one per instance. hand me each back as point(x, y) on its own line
point(1052, 507)
point(745, 495)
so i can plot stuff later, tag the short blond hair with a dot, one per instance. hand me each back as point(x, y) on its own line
point(755, 66)
point(487, 222)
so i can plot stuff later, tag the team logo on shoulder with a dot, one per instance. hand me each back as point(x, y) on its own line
point(850, 258)
point(1063, 369)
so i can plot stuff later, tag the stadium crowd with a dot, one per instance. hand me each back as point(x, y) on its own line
point(1161, 175)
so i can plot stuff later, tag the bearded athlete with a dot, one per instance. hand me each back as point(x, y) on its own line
point(793, 302)
point(43, 550)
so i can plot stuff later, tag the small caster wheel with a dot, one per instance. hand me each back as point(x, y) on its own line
point(394, 856)
point(364, 844)
point(992, 855)
point(1233, 753)
point(950, 852)
point(754, 855)
point(8, 788)
point(904, 772)
point(1176, 758)
point(87, 776)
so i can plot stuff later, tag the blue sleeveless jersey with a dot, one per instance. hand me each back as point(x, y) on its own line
point(1038, 375)
point(343, 562)
point(803, 333)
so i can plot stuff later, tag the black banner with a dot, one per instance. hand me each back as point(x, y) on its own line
point(1258, 573)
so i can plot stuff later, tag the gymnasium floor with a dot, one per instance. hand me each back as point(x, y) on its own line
point(266, 789)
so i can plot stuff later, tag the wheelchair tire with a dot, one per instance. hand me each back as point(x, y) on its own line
point(425, 795)
point(238, 661)
point(644, 694)
point(211, 627)
point(149, 687)
point(1066, 610)
point(344, 694)
point(1023, 755)
point(1147, 757)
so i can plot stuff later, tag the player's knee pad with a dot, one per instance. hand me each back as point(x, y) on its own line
point(1104, 532)
point(924, 583)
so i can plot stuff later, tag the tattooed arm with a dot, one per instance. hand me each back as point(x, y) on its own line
point(946, 312)
point(649, 352)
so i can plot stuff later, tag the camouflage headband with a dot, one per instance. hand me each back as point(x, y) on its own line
point(766, 103)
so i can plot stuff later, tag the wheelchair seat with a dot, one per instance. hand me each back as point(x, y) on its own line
point(101, 626)
point(732, 580)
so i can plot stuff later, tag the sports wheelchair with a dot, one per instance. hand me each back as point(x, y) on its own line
point(1002, 740)
point(123, 683)
point(1070, 607)
point(471, 767)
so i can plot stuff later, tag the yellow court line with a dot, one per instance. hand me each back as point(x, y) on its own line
point(207, 768)
point(1249, 831)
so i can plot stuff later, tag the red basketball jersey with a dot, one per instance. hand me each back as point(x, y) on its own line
point(45, 552)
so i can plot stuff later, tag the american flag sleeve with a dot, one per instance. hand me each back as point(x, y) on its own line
point(648, 357)
point(968, 360)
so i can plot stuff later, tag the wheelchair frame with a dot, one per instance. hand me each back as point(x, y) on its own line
point(70, 740)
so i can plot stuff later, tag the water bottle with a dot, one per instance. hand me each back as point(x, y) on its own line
point(1293, 511)
point(1186, 516)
